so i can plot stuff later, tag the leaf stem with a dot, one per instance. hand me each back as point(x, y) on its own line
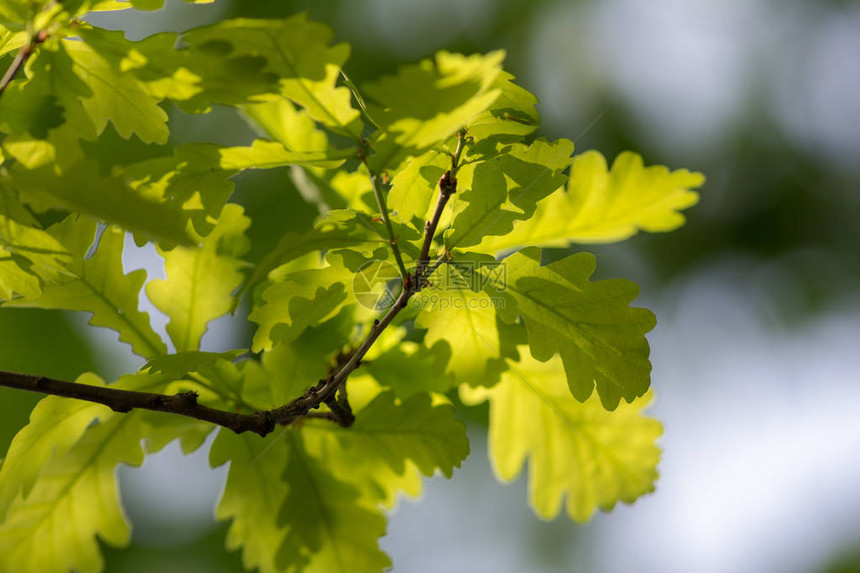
point(383, 210)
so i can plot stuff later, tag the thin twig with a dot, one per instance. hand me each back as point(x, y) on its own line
point(447, 187)
point(330, 391)
point(21, 58)
point(383, 210)
point(184, 404)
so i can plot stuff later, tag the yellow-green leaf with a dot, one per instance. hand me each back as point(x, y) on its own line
point(580, 455)
point(200, 281)
point(602, 205)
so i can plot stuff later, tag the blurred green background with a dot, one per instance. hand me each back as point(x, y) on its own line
point(757, 296)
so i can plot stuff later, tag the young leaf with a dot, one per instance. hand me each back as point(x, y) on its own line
point(110, 199)
point(505, 188)
point(394, 432)
point(99, 286)
point(600, 338)
point(200, 282)
point(594, 457)
point(416, 185)
point(426, 103)
point(466, 322)
point(74, 498)
point(328, 528)
point(337, 230)
point(264, 154)
point(55, 425)
point(178, 365)
point(254, 490)
point(192, 181)
point(303, 299)
point(513, 113)
point(603, 205)
point(298, 52)
point(293, 128)
point(116, 96)
point(28, 258)
point(409, 368)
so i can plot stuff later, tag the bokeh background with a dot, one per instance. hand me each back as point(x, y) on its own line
point(758, 298)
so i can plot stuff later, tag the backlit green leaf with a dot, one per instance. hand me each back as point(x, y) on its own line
point(601, 339)
point(329, 529)
point(576, 450)
point(298, 52)
point(74, 498)
point(200, 281)
point(99, 286)
point(426, 103)
point(603, 205)
point(505, 188)
point(254, 490)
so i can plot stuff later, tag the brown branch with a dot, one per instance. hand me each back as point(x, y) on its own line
point(21, 58)
point(447, 187)
point(184, 404)
point(330, 391)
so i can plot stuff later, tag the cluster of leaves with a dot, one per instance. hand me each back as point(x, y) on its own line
point(562, 360)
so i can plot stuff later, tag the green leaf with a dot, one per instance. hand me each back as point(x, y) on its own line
point(298, 53)
point(74, 499)
point(409, 368)
point(328, 528)
point(513, 113)
point(293, 128)
point(465, 321)
point(200, 282)
point(254, 490)
point(600, 338)
point(190, 181)
point(576, 450)
point(110, 199)
point(178, 365)
point(11, 41)
point(116, 96)
point(264, 154)
point(505, 188)
point(603, 205)
point(99, 286)
point(55, 425)
point(416, 185)
point(424, 104)
point(195, 77)
point(337, 230)
point(303, 299)
point(29, 257)
point(291, 367)
point(24, 111)
point(397, 434)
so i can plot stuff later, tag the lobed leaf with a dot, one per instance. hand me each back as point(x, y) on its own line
point(53, 521)
point(254, 490)
point(328, 528)
point(200, 282)
point(605, 205)
point(576, 450)
point(426, 103)
point(505, 187)
point(98, 285)
point(600, 338)
point(299, 54)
